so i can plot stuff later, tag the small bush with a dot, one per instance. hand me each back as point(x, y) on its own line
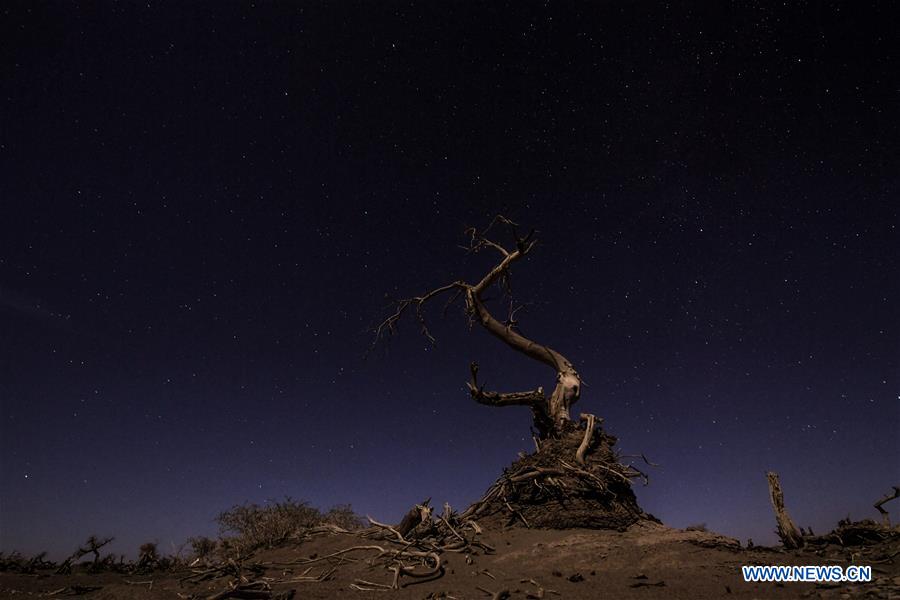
point(275, 522)
point(13, 562)
point(343, 516)
point(149, 559)
point(696, 527)
point(231, 547)
point(148, 552)
point(202, 546)
point(16, 562)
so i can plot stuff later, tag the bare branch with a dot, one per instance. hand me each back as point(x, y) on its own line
point(551, 414)
point(885, 515)
point(511, 320)
point(451, 301)
point(478, 239)
point(477, 242)
point(400, 537)
point(529, 398)
point(389, 325)
point(533, 398)
point(503, 221)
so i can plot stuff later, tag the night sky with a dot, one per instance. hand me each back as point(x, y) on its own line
point(203, 205)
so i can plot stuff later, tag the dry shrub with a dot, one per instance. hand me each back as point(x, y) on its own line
point(149, 560)
point(273, 523)
point(343, 516)
point(696, 527)
point(202, 546)
point(148, 552)
point(18, 563)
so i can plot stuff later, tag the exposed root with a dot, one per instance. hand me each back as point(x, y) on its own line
point(421, 539)
point(545, 489)
point(399, 536)
point(588, 433)
point(410, 552)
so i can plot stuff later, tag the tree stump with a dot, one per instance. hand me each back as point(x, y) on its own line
point(788, 532)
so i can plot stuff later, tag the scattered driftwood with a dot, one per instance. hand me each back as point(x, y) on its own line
point(885, 515)
point(75, 590)
point(540, 593)
point(232, 567)
point(789, 534)
point(847, 534)
point(245, 580)
point(410, 552)
point(258, 590)
point(422, 538)
point(498, 595)
point(648, 584)
point(854, 533)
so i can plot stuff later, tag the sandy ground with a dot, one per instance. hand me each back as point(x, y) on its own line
point(647, 561)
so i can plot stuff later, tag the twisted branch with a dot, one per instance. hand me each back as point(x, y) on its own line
point(885, 515)
point(550, 413)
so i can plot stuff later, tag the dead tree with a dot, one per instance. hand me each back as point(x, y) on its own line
point(92, 545)
point(574, 479)
point(885, 515)
point(788, 532)
point(550, 413)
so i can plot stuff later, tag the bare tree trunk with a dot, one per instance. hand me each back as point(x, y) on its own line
point(551, 414)
point(787, 531)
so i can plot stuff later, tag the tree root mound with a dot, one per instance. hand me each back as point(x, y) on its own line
point(552, 489)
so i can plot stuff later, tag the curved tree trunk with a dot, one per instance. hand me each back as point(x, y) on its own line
point(551, 414)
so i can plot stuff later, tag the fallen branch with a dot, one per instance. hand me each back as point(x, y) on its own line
point(361, 585)
point(499, 595)
point(75, 590)
point(400, 537)
point(306, 561)
point(540, 593)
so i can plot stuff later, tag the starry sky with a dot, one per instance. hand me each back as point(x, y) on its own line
point(203, 206)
